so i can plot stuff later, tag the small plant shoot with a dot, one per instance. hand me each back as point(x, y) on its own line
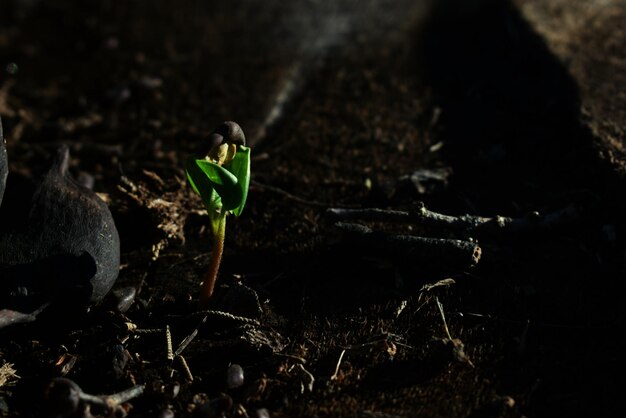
point(221, 178)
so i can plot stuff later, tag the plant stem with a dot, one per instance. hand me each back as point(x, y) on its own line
point(208, 285)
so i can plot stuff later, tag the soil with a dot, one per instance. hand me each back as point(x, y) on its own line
point(341, 104)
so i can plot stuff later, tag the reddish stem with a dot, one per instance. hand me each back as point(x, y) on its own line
point(208, 285)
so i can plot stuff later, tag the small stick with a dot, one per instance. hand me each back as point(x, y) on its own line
point(467, 224)
point(168, 338)
point(401, 307)
point(188, 339)
point(64, 388)
point(450, 252)
point(292, 357)
point(310, 379)
point(140, 331)
point(124, 396)
point(334, 376)
point(373, 215)
point(185, 367)
point(458, 349)
point(441, 283)
point(443, 317)
point(227, 315)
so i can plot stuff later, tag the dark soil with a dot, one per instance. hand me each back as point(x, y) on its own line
point(339, 102)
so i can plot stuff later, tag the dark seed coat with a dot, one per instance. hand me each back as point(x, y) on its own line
point(69, 249)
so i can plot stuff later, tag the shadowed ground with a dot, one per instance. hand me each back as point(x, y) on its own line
point(342, 102)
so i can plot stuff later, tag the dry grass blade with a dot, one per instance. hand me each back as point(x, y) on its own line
point(8, 375)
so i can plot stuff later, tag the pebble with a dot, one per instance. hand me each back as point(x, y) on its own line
point(62, 397)
point(124, 298)
point(234, 376)
point(166, 413)
point(261, 413)
point(172, 390)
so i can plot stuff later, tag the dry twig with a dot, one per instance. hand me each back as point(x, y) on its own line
point(466, 224)
point(451, 252)
point(334, 376)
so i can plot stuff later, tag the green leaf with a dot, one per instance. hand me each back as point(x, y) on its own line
point(206, 176)
point(221, 188)
point(217, 175)
point(240, 167)
point(202, 185)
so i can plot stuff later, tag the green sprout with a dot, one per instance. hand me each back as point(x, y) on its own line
point(221, 179)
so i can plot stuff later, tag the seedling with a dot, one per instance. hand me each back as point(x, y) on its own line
point(221, 178)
